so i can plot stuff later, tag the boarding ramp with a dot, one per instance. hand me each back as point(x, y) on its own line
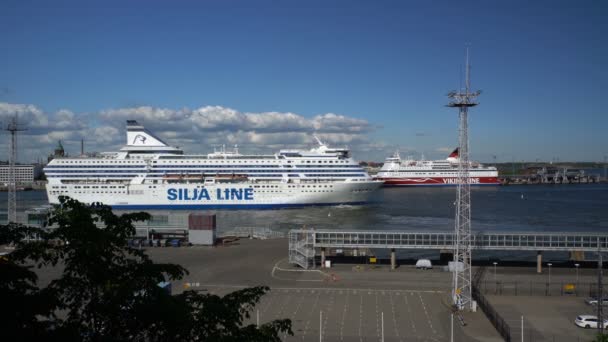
point(303, 243)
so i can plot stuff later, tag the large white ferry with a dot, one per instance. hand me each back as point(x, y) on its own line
point(149, 174)
point(409, 172)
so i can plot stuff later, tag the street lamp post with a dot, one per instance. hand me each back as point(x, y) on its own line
point(495, 283)
point(576, 265)
point(549, 264)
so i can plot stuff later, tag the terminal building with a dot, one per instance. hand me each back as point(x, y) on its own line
point(23, 173)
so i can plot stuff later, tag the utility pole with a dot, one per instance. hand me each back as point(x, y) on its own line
point(13, 128)
point(461, 290)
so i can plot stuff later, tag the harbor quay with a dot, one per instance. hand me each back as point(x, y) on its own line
point(372, 302)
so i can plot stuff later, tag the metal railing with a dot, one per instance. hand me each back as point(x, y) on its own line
point(261, 233)
point(538, 288)
point(546, 241)
point(499, 323)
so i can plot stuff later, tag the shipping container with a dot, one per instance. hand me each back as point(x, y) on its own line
point(201, 222)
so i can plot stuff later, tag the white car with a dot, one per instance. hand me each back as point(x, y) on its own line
point(588, 321)
point(593, 301)
point(424, 264)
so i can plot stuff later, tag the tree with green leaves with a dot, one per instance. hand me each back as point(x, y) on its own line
point(107, 291)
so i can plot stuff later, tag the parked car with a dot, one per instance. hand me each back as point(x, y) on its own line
point(424, 264)
point(593, 301)
point(588, 321)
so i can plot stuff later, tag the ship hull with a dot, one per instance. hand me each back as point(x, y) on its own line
point(220, 196)
point(436, 181)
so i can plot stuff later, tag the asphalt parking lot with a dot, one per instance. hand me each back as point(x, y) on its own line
point(355, 314)
point(546, 318)
point(344, 303)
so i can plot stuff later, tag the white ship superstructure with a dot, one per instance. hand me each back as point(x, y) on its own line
point(147, 173)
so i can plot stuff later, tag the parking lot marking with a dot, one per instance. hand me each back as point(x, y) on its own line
point(326, 313)
point(296, 303)
point(295, 312)
point(310, 315)
point(361, 319)
point(377, 317)
point(394, 316)
point(323, 288)
point(426, 313)
point(344, 315)
point(282, 306)
point(410, 315)
point(268, 304)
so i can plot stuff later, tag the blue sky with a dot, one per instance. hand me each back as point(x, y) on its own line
point(381, 68)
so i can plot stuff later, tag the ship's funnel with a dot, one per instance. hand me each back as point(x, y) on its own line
point(453, 157)
point(137, 135)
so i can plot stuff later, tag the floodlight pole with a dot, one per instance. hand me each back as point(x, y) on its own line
point(12, 128)
point(461, 291)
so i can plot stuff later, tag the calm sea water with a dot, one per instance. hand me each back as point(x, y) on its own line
point(563, 208)
point(567, 208)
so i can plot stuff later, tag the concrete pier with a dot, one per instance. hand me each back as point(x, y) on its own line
point(539, 262)
point(393, 259)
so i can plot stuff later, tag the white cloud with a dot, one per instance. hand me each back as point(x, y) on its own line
point(197, 130)
point(30, 114)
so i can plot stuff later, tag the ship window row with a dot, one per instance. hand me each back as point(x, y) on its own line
point(357, 169)
point(130, 172)
point(326, 161)
point(253, 169)
point(434, 171)
point(275, 175)
point(142, 167)
point(336, 175)
point(231, 159)
point(256, 166)
point(88, 176)
point(90, 187)
point(84, 161)
point(95, 166)
point(88, 192)
point(213, 166)
point(238, 160)
point(278, 174)
point(331, 166)
point(228, 157)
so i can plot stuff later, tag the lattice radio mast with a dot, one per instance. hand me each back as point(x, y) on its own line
point(461, 292)
point(13, 128)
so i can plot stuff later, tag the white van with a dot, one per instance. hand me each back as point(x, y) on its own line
point(424, 264)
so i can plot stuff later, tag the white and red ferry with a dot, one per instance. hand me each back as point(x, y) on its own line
point(398, 172)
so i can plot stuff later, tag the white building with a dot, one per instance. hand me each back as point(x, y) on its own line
point(23, 173)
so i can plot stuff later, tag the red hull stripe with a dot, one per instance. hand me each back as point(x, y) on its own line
point(438, 181)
